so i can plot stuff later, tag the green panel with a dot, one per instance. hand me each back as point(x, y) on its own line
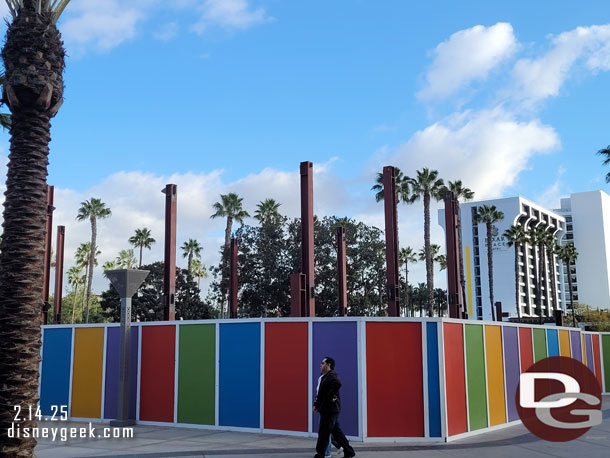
point(475, 380)
point(197, 374)
point(539, 344)
point(606, 362)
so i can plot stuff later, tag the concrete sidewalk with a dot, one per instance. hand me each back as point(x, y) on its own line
point(158, 442)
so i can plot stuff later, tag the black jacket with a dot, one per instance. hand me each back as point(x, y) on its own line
point(328, 400)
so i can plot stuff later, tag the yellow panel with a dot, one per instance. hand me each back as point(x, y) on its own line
point(468, 281)
point(564, 343)
point(584, 349)
point(495, 375)
point(87, 372)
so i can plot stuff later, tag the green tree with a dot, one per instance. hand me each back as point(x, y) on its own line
point(142, 239)
point(191, 249)
point(401, 186)
point(92, 210)
point(82, 255)
point(567, 254)
point(147, 304)
point(517, 238)
point(126, 259)
point(426, 186)
point(407, 256)
point(551, 249)
point(267, 212)
point(435, 253)
point(489, 215)
point(75, 279)
point(199, 271)
point(110, 265)
point(33, 58)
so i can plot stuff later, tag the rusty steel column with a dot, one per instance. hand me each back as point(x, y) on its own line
point(297, 294)
point(307, 259)
point(341, 271)
point(48, 243)
point(233, 279)
point(456, 306)
point(169, 279)
point(391, 240)
point(59, 273)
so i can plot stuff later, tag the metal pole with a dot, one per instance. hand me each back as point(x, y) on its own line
point(169, 279)
point(341, 271)
point(454, 284)
point(391, 240)
point(307, 243)
point(48, 242)
point(233, 281)
point(59, 273)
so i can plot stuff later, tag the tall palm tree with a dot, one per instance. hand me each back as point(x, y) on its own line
point(568, 255)
point(551, 251)
point(517, 238)
point(267, 211)
point(606, 153)
point(489, 215)
point(92, 209)
point(142, 239)
point(75, 279)
point(230, 206)
point(435, 252)
point(426, 186)
point(532, 240)
point(109, 265)
point(126, 259)
point(462, 194)
point(407, 256)
point(83, 252)
point(541, 236)
point(33, 58)
point(199, 271)
point(401, 183)
point(191, 249)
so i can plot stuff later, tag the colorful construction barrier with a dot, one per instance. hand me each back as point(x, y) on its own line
point(405, 379)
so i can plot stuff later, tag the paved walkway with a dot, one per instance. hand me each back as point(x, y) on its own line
point(159, 442)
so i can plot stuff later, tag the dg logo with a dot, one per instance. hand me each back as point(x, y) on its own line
point(559, 399)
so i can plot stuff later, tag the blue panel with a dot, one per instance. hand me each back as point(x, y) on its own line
point(55, 377)
point(553, 342)
point(434, 389)
point(239, 375)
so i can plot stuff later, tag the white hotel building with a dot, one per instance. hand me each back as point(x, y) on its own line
point(584, 219)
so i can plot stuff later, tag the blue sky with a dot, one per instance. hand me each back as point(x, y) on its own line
point(230, 95)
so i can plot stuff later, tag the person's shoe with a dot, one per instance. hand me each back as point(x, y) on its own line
point(347, 454)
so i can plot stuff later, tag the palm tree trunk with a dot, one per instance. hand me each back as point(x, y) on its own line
point(190, 261)
point(490, 270)
point(429, 267)
point(407, 287)
point(553, 279)
point(540, 276)
point(571, 295)
point(225, 267)
point(140, 265)
point(21, 272)
point(74, 301)
point(517, 291)
point(91, 263)
point(82, 306)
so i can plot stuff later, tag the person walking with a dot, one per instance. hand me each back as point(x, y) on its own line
point(328, 405)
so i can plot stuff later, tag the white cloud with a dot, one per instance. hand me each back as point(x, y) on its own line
point(468, 55)
point(167, 31)
point(230, 14)
point(541, 77)
point(486, 150)
point(551, 196)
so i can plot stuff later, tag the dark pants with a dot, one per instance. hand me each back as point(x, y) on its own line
point(329, 424)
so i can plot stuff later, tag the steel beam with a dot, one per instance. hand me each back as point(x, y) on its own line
point(456, 305)
point(298, 294)
point(391, 240)
point(59, 273)
point(233, 283)
point(169, 279)
point(48, 243)
point(341, 271)
point(307, 243)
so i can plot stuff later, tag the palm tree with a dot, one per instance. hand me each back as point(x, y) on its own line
point(426, 186)
point(109, 265)
point(92, 210)
point(199, 271)
point(190, 249)
point(517, 238)
point(33, 58)
point(142, 239)
point(606, 153)
point(551, 251)
point(436, 257)
point(126, 259)
point(401, 183)
point(82, 255)
point(568, 255)
point(407, 256)
point(267, 211)
point(464, 194)
point(489, 215)
point(75, 279)
point(5, 118)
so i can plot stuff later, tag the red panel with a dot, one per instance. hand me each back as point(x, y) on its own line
point(525, 348)
point(394, 380)
point(286, 403)
point(455, 381)
point(597, 360)
point(157, 373)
